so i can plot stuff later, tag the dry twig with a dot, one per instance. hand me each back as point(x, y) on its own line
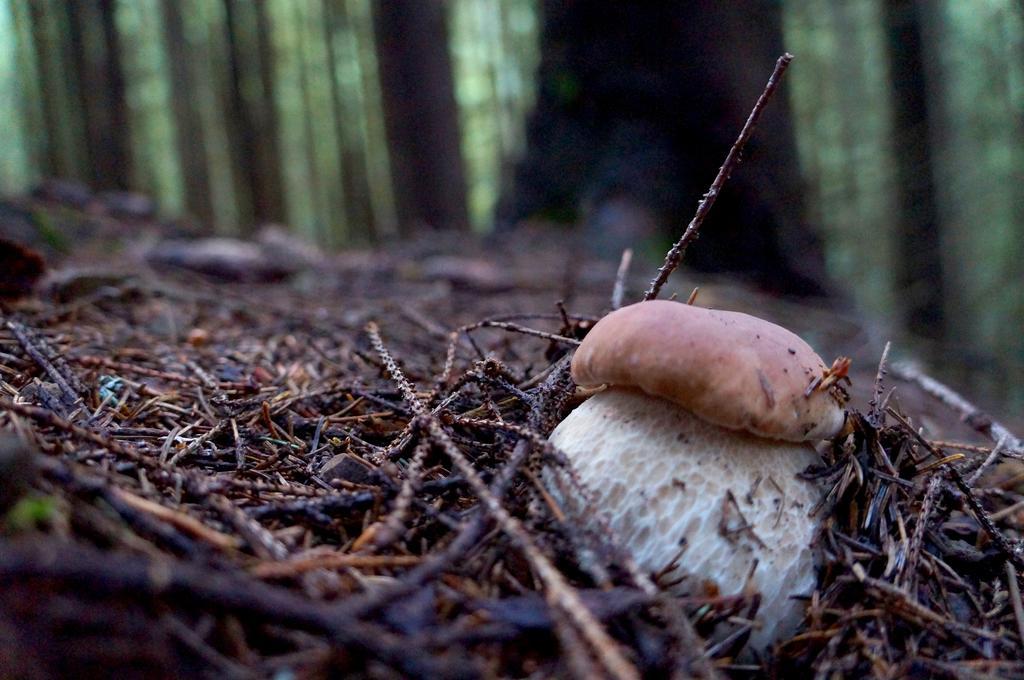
point(732, 159)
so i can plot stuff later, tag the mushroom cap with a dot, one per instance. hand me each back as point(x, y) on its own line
point(728, 368)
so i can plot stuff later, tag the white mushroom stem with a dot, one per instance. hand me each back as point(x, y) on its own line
point(666, 480)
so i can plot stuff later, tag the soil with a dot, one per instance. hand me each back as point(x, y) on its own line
point(338, 473)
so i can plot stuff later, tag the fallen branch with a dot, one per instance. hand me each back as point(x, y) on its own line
point(968, 412)
point(212, 591)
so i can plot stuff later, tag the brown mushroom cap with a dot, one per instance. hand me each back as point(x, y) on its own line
point(728, 368)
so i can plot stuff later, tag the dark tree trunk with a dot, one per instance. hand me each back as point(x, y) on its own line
point(316, 185)
point(918, 247)
point(270, 196)
point(420, 114)
point(240, 128)
point(354, 176)
point(252, 123)
point(190, 134)
point(46, 54)
point(74, 115)
point(638, 106)
point(96, 47)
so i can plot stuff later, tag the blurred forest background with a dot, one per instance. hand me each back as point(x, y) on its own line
point(358, 121)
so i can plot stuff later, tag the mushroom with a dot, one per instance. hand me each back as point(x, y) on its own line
point(696, 445)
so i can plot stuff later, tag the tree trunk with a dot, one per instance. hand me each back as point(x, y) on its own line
point(311, 158)
point(252, 114)
point(188, 121)
point(96, 47)
point(918, 246)
point(354, 177)
point(269, 197)
point(420, 113)
point(49, 86)
point(638, 105)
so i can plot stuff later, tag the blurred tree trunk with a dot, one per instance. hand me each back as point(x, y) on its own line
point(354, 176)
point(47, 54)
point(420, 114)
point(309, 112)
point(269, 201)
point(96, 49)
point(252, 117)
point(187, 118)
point(918, 245)
point(638, 105)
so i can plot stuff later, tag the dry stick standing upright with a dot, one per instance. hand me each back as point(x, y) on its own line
point(675, 254)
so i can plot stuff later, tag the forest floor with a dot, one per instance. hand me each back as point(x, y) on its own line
point(339, 473)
